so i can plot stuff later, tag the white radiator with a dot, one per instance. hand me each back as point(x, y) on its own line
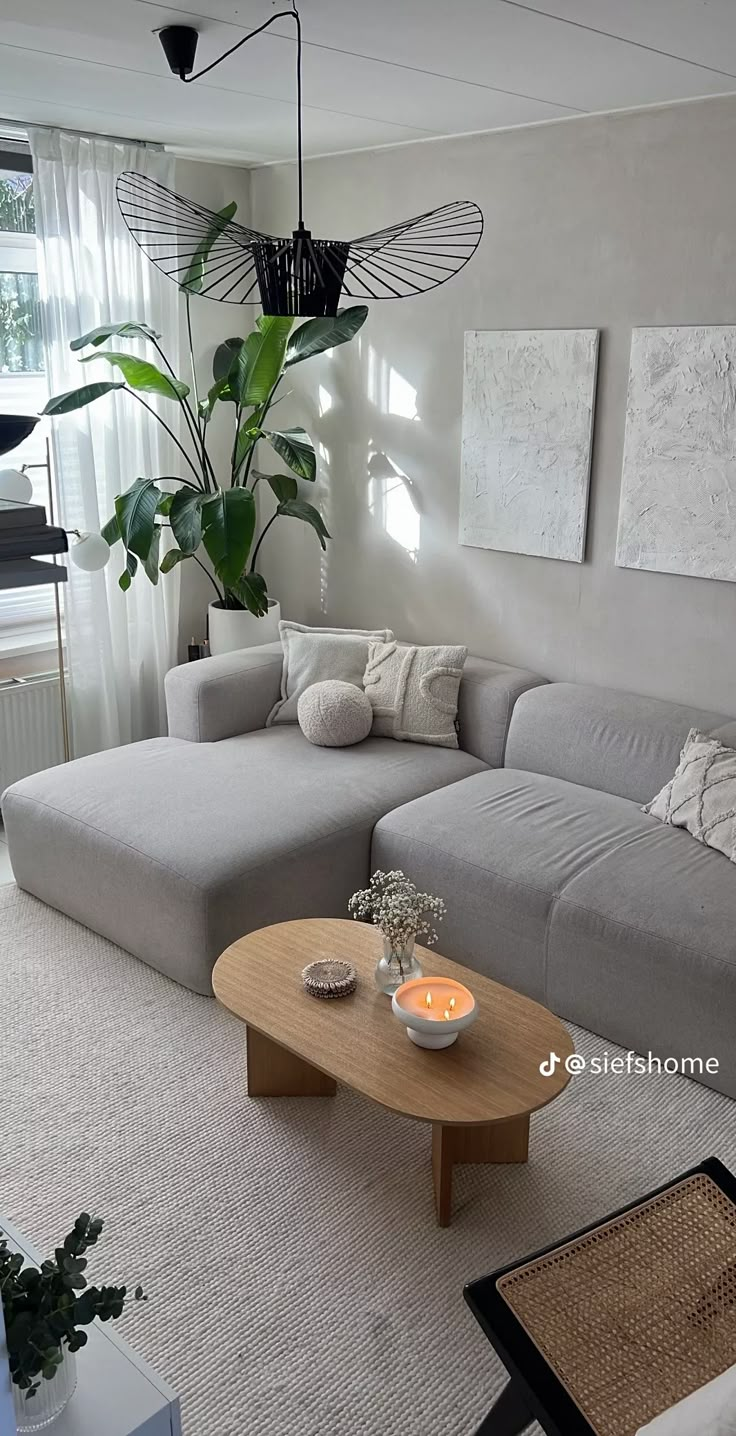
point(30, 726)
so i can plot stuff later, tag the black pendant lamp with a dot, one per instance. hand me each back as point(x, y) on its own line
point(14, 428)
point(210, 253)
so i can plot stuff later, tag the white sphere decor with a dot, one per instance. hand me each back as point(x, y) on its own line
point(15, 486)
point(90, 552)
point(333, 714)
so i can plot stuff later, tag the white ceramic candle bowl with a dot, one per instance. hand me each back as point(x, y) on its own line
point(434, 1010)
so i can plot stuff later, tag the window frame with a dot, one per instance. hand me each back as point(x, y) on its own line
point(19, 254)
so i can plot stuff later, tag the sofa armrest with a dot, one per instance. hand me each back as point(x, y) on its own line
point(488, 692)
point(215, 698)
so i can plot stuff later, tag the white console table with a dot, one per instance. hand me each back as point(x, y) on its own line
point(117, 1393)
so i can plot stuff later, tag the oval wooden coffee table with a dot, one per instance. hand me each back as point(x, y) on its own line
point(477, 1094)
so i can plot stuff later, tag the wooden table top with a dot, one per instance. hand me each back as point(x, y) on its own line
point(490, 1074)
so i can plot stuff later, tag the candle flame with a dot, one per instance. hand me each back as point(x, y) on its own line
point(447, 1015)
point(452, 1004)
point(428, 1000)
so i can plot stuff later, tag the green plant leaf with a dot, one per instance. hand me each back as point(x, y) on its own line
point(136, 511)
point(261, 358)
point(129, 329)
point(128, 573)
point(164, 504)
point(78, 398)
point(111, 531)
point(284, 486)
point(150, 562)
point(171, 558)
point(298, 509)
point(248, 435)
point(324, 333)
point(220, 390)
point(228, 523)
point(225, 357)
point(139, 374)
point(194, 277)
point(251, 592)
point(295, 447)
point(185, 518)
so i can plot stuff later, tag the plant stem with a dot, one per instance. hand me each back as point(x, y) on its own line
point(261, 418)
point(191, 349)
point(220, 592)
point(170, 433)
point(272, 520)
point(201, 422)
point(176, 479)
point(184, 404)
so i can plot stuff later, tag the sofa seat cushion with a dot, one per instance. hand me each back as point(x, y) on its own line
point(173, 849)
point(642, 947)
point(500, 848)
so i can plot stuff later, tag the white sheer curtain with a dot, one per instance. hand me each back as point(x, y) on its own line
point(91, 272)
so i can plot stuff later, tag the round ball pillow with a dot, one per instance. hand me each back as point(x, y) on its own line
point(334, 714)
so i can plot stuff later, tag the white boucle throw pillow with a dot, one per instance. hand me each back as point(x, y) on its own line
point(702, 795)
point(312, 655)
point(413, 691)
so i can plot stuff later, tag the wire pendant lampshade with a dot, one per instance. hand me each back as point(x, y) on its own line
point(210, 253)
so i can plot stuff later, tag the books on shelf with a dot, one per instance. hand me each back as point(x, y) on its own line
point(21, 516)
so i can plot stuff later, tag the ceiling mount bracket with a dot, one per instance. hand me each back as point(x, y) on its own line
point(179, 44)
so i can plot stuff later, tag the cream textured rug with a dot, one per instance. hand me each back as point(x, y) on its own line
point(297, 1281)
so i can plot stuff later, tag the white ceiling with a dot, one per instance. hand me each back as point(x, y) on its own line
point(376, 72)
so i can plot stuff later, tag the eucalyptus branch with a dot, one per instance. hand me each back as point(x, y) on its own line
point(169, 431)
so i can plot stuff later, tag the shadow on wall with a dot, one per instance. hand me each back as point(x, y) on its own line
point(384, 501)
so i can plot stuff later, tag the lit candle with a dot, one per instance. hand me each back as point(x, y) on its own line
point(421, 1008)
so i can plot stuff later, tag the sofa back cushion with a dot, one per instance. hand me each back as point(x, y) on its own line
point(488, 692)
point(617, 742)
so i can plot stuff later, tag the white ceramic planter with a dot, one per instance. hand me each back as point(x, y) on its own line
point(232, 628)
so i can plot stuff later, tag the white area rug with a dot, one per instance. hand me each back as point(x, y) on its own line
point(297, 1281)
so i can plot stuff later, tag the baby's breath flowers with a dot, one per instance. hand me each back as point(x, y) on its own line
point(393, 903)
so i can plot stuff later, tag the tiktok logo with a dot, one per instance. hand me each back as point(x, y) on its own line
point(549, 1068)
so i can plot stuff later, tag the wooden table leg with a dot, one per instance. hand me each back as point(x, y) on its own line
point(273, 1071)
point(493, 1142)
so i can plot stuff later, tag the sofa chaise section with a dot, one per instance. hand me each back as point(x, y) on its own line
point(174, 847)
point(559, 885)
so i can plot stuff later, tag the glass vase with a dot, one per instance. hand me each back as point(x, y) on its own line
point(33, 1413)
point(397, 965)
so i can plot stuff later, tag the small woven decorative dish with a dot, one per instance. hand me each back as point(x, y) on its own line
point(329, 978)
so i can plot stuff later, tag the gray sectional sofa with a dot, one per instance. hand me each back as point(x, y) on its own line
point(556, 883)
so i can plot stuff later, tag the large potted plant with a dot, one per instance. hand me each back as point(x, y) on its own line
point(214, 519)
point(44, 1309)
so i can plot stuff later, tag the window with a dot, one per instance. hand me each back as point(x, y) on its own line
point(26, 614)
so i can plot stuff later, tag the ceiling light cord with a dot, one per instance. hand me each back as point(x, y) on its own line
point(292, 14)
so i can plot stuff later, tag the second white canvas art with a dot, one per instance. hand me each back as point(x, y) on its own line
point(678, 496)
point(528, 404)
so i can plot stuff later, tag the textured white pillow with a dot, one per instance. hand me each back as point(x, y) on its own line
point(314, 654)
point(702, 795)
point(413, 691)
point(334, 714)
point(710, 1411)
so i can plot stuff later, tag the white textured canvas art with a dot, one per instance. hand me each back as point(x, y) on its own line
point(527, 429)
point(678, 495)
